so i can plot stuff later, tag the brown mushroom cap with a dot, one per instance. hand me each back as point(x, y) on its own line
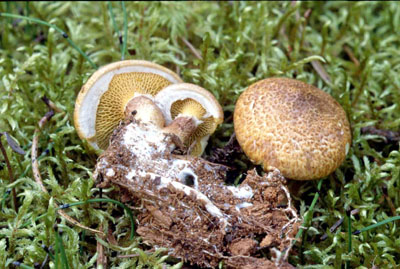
point(102, 101)
point(292, 126)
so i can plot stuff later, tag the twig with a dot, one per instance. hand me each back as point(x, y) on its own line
point(192, 48)
point(10, 173)
point(45, 261)
point(51, 105)
point(36, 171)
point(338, 223)
point(35, 162)
point(319, 68)
point(351, 55)
point(389, 136)
point(101, 258)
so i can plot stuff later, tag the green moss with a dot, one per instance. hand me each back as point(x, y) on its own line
point(356, 43)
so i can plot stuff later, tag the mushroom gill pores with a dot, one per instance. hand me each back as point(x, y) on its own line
point(292, 126)
point(105, 100)
point(185, 205)
point(101, 102)
point(186, 103)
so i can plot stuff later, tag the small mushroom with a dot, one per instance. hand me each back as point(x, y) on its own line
point(292, 126)
point(104, 100)
point(190, 112)
point(144, 109)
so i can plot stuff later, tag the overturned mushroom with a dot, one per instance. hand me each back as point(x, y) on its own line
point(182, 201)
point(102, 101)
point(292, 126)
point(191, 112)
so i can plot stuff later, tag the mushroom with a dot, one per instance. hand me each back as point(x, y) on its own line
point(292, 126)
point(190, 112)
point(104, 100)
point(144, 109)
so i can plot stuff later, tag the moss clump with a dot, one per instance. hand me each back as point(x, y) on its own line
point(348, 49)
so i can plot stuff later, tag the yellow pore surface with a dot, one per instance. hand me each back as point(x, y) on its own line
point(190, 107)
point(120, 90)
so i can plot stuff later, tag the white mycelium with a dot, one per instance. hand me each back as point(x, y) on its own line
point(144, 143)
point(147, 167)
point(164, 182)
point(149, 144)
point(242, 192)
point(110, 172)
point(243, 205)
point(153, 161)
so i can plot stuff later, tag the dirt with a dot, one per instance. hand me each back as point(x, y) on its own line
point(187, 208)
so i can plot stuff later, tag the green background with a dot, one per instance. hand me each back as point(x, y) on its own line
point(348, 49)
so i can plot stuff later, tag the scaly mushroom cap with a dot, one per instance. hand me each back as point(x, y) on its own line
point(101, 102)
point(292, 126)
point(189, 100)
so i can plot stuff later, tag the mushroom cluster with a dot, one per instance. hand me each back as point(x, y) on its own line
point(112, 92)
point(138, 113)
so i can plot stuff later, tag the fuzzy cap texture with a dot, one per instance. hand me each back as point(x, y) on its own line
point(292, 126)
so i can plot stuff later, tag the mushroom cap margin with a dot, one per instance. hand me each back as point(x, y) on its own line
point(170, 94)
point(181, 91)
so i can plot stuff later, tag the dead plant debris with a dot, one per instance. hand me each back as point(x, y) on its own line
point(188, 209)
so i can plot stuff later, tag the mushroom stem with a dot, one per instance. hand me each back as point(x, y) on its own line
point(183, 127)
point(144, 109)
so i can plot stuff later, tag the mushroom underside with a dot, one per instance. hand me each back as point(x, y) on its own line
point(112, 105)
point(185, 100)
point(101, 102)
point(186, 206)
